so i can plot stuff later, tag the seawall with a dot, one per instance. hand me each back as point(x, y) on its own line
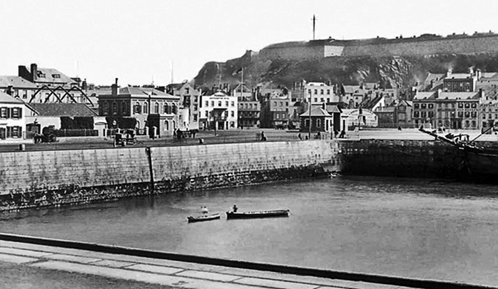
point(403, 158)
point(55, 178)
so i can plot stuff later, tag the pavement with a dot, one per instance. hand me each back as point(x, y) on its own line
point(25, 265)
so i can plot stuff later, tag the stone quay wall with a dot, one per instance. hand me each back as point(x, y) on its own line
point(402, 158)
point(57, 178)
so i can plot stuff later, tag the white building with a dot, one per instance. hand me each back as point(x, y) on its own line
point(218, 111)
point(319, 93)
point(12, 120)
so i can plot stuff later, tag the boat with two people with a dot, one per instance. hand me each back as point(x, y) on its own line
point(201, 218)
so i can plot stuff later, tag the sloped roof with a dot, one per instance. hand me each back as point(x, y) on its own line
point(387, 109)
point(62, 109)
point(425, 95)
point(51, 75)
point(458, 76)
point(5, 98)
point(316, 111)
point(16, 82)
point(333, 109)
point(458, 95)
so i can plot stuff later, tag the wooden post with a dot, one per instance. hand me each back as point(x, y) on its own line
point(151, 171)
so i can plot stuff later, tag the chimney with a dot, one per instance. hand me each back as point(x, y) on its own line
point(448, 73)
point(438, 93)
point(10, 90)
point(34, 72)
point(481, 93)
point(84, 85)
point(478, 74)
point(114, 87)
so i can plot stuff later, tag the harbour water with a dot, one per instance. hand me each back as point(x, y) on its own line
point(401, 227)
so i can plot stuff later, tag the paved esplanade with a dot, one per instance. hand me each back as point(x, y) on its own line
point(170, 274)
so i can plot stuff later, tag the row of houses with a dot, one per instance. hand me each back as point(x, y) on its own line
point(39, 97)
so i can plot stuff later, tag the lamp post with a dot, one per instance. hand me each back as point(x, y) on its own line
point(309, 129)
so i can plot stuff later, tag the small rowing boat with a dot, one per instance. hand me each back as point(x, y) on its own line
point(258, 214)
point(201, 218)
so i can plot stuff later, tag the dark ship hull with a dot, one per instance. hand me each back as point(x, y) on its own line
point(478, 163)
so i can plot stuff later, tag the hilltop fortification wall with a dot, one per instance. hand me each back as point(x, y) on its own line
point(460, 44)
point(404, 47)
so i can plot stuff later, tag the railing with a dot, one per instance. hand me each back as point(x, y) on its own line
point(75, 132)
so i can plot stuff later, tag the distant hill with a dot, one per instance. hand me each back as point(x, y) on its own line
point(389, 71)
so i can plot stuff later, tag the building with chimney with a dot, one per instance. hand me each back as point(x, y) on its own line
point(218, 111)
point(450, 110)
point(54, 86)
point(189, 103)
point(155, 111)
point(249, 108)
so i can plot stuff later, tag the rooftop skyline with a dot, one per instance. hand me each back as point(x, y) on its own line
point(147, 41)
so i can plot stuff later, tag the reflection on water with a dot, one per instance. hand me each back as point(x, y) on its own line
point(405, 227)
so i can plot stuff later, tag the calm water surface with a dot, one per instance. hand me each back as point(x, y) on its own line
point(402, 227)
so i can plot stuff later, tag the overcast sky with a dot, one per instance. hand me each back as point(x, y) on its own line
point(144, 41)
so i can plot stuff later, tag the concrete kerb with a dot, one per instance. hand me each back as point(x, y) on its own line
point(284, 269)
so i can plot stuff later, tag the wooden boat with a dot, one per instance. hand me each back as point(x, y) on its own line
point(201, 218)
point(480, 163)
point(258, 214)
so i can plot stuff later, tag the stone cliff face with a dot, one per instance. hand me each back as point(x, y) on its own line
point(389, 71)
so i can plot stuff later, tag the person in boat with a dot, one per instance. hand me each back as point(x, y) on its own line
point(235, 208)
point(204, 210)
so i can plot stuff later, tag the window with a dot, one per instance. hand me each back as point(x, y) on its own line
point(123, 108)
point(137, 108)
point(321, 91)
point(473, 105)
point(187, 90)
point(166, 108)
point(316, 91)
point(105, 108)
point(226, 103)
point(16, 112)
point(156, 108)
point(219, 103)
point(207, 103)
point(195, 117)
point(232, 103)
point(212, 103)
point(145, 110)
point(431, 106)
point(232, 113)
point(14, 131)
point(309, 91)
point(328, 91)
point(467, 105)
point(460, 105)
point(416, 106)
point(114, 108)
point(318, 122)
